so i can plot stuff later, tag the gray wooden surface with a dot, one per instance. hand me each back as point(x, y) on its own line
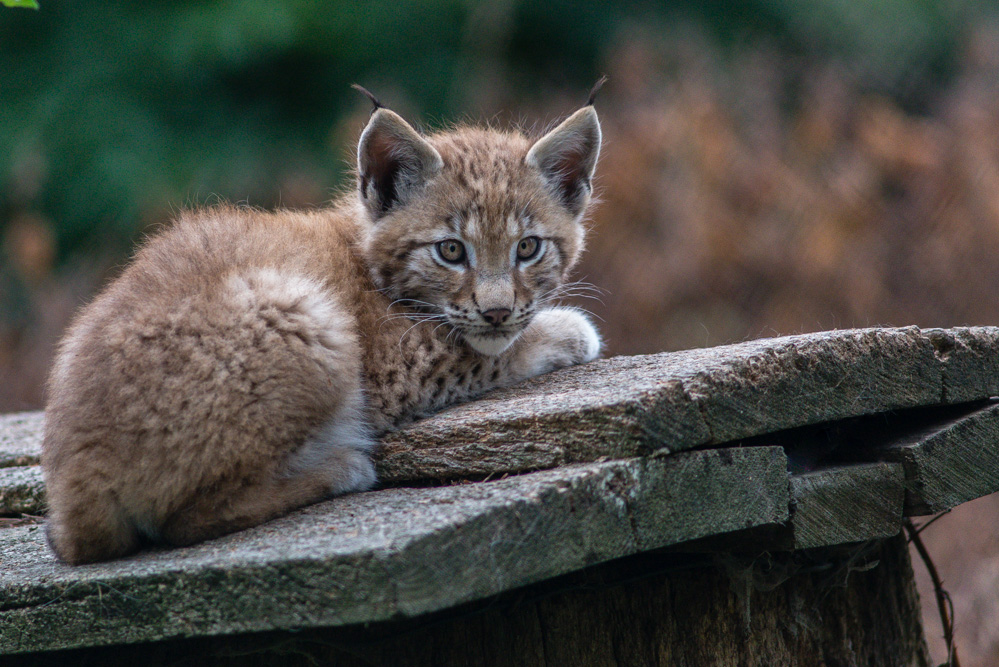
point(951, 463)
point(388, 554)
point(618, 457)
point(849, 503)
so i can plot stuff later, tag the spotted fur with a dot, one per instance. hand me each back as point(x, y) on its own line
point(245, 362)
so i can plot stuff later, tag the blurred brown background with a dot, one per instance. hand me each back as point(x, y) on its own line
point(769, 167)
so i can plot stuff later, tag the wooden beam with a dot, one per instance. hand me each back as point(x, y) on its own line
point(387, 554)
point(949, 463)
point(845, 504)
point(21, 438)
point(631, 406)
point(22, 490)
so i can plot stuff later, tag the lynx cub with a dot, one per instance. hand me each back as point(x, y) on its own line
point(245, 362)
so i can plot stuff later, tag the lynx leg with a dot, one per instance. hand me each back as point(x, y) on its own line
point(206, 428)
point(305, 467)
point(332, 462)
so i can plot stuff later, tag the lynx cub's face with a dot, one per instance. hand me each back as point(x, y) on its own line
point(475, 228)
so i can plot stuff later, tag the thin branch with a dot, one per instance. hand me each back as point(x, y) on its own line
point(920, 528)
point(944, 604)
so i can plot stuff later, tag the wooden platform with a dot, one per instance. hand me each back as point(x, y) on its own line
point(778, 445)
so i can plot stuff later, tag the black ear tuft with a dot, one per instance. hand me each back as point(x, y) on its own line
point(376, 105)
point(593, 91)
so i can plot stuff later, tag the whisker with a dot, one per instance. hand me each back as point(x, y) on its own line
point(558, 299)
point(562, 289)
point(592, 314)
point(418, 318)
point(416, 301)
point(453, 332)
point(411, 316)
point(580, 283)
point(578, 291)
point(434, 330)
point(406, 332)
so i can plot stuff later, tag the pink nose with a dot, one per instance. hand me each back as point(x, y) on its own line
point(496, 316)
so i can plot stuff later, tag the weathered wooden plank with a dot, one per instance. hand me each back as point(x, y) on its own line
point(630, 406)
point(800, 380)
point(969, 359)
point(950, 463)
point(846, 504)
point(386, 554)
point(851, 606)
point(21, 438)
point(613, 408)
point(691, 495)
point(22, 490)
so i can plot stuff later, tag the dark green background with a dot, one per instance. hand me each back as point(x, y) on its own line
point(113, 112)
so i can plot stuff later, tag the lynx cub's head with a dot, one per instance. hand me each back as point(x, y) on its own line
point(475, 226)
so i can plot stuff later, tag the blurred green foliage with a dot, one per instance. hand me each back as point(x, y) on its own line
point(111, 112)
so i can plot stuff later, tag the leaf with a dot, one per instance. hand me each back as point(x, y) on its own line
point(28, 4)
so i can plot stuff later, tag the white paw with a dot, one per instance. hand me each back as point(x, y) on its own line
point(340, 449)
point(353, 471)
point(590, 339)
point(560, 337)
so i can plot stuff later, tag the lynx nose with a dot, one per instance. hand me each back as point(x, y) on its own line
point(496, 316)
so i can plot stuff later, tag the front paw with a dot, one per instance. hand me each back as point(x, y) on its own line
point(556, 338)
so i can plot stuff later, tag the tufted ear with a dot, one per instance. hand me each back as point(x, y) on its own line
point(567, 156)
point(393, 162)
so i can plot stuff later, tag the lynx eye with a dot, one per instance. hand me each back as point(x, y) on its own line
point(528, 247)
point(451, 251)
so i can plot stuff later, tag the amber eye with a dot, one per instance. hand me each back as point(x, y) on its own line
point(451, 251)
point(528, 247)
